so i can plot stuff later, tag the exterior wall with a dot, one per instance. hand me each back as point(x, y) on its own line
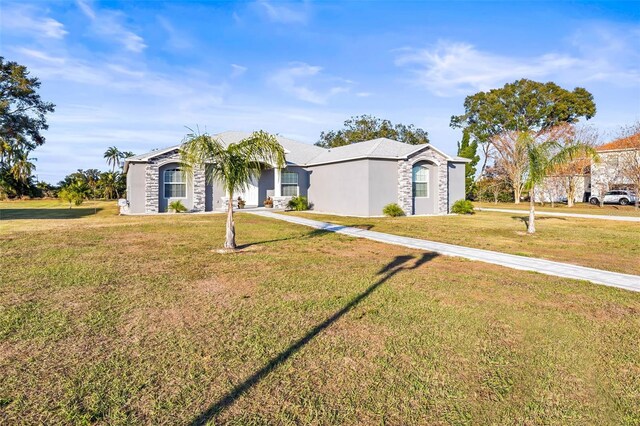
point(135, 187)
point(154, 200)
point(457, 189)
point(341, 188)
point(607, 173)
point(383, 188)
point(405, 195)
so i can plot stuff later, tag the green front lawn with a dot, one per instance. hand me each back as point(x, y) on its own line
point(613, 246)
point(580, 208)
point(121, 320)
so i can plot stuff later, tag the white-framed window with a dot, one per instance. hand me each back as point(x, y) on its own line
point(421, 180)
point(289, 184)
point(175, 185)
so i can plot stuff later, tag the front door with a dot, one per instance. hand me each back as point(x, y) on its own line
point(250, 195)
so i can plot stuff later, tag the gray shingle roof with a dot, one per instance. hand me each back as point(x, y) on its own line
point(375, 148)
point(306, 154)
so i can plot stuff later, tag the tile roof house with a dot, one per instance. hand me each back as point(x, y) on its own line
point(599, 177)
point(357, 179)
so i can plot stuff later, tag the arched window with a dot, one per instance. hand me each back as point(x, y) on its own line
point(175, 185)
point(421, 180)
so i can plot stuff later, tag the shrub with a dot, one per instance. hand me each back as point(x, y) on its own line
point(298, 204)
point(177, 206)
point(462, 207)
point(392, 210)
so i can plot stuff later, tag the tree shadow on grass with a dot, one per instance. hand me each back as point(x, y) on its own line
point(525, 219)
point(398, 264)
point(312, 234)
point(53, 213)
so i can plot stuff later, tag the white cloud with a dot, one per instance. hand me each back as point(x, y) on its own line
point(296, 80)
point(29, 20)
point(182, 89)
point(237, 70)
point(363, 94)
point(176, 40)
point(285, 13)
point(108, 24)
point(454, 68)
point(457, 68)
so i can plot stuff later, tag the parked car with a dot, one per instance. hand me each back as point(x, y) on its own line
point(616, 197)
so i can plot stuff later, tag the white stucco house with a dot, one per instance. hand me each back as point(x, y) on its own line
point(358, 179)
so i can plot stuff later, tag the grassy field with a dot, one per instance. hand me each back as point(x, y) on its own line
point(121, 320)
point(580, 208)
point(613, 246)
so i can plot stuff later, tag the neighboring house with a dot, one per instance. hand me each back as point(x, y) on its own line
point(358, 179)
point(605, 175)
point(608, 174)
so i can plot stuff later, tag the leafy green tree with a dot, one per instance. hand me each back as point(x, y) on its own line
point(22, 119)
point(468, 149)
point(75, 193)
point(366, 127)
point(233, 166)
point(113, 156)
point(524, 106)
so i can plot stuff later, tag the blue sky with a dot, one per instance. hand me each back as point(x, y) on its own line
point(134, 74)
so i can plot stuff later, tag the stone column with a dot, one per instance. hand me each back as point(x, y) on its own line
point(199, 184)
point(405, 189)
point(152, 187)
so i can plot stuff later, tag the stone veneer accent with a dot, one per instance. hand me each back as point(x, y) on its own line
point(405, 177)
point(152, 182)
point(281, 202)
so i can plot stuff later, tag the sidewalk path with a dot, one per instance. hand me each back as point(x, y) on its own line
point(578, 215)
point(565, 270)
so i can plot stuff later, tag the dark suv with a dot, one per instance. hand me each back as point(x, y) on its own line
point(616, 197)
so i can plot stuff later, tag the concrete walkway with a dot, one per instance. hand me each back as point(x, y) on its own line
point(558, 214)
point(565, 270)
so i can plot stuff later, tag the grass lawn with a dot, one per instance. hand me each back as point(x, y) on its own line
point(613, 246)
point(580, 208)
point(120, 320)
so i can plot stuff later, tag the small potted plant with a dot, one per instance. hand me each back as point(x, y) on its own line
point(268, 203)
point(241, 203)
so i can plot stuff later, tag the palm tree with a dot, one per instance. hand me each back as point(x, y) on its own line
point(109, 184)
point(543, 157)
point(22, 167)
point(92, 177)
point(233, 166)
point(113, 155)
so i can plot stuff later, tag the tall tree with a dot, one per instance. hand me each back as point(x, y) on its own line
point(468, 149)
point(367, 127)
point(22, 120)
point(524, 106)
point(113, 156)
point(234, 165)
point(108, 183)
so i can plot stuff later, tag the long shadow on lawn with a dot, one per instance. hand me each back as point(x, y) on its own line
point(52, 213)
point(312, 234)
point(525, 219)
point(398, 264)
